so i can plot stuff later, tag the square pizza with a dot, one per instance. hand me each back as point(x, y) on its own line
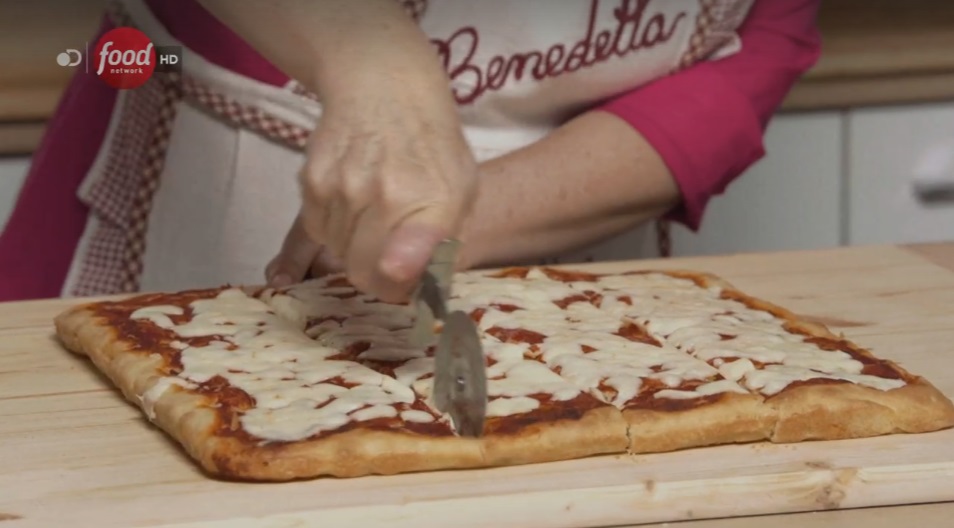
point(320, 379)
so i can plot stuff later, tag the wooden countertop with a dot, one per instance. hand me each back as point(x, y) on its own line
point(875, 52)
point(72, 452)
point(932, 515)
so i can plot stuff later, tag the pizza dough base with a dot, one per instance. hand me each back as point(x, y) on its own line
point(732, 418)
point(810, 412)
point(842, 410)
point(186, 417)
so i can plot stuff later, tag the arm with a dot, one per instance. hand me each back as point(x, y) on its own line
point(668, 146)
point(388, 173)
point(339, 49)
point(590, 179)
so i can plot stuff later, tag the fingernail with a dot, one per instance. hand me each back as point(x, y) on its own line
point(407, 252)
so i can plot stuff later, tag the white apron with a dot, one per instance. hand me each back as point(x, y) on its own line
point(195, 184)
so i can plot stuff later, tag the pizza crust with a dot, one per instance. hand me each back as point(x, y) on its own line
point(354, 453)
point(834, 411)
point(733, 418)
point(599, 431)
point(839, 411)
point(84, 333)
point(182, 415)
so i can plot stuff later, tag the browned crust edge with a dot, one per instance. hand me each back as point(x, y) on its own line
point(180, 414)
point(843, 410)
point(732, 419)
point(599, 431)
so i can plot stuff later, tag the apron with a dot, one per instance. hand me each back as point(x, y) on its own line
point(195, 183)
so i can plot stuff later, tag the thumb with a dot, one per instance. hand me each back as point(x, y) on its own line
point(409, 246)
point(294, 259)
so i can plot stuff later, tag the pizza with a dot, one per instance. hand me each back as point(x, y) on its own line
point(319, 379)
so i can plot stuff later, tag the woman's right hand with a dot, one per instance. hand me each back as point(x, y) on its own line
point(388, 173)
point(387, 177)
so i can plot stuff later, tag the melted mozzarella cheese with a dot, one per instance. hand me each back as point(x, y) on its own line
point(298, 392)
point(278, 349)
point(414, 415)
point(706, 389)
point(774, 378)
point(695, 319)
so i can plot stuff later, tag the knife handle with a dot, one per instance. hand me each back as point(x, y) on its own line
point(443, 262)
point(432, 295)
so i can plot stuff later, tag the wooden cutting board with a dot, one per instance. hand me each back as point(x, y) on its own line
point(73, 453)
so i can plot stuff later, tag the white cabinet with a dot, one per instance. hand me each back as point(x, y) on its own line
point(901, 174)
point(790, 199)
point(12, 173)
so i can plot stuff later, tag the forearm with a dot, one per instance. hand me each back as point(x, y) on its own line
point(593, 178)
point(340, 49)
point(708, 121)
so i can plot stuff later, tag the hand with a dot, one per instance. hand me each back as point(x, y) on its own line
point(388, 173)
point(386, 179)
point(299, 258)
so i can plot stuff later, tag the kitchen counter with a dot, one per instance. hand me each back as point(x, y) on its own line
point(72, 452)
point(932, 515)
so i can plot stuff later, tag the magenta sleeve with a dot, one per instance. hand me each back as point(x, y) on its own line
point(47, 222)
point(707, 121)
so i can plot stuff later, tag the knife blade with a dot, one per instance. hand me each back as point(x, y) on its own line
point(460, 373)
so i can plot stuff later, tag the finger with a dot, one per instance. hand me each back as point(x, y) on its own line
point(358, 169)
point(297, 253)
point(340, 221)
point(325, 264)
point(315, 221)
point(364, 252)
point(410, 247)
point(319, 180)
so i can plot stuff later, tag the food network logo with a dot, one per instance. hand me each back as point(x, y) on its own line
point(125, 58)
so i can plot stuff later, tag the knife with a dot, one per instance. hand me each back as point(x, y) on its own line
point(460, 374)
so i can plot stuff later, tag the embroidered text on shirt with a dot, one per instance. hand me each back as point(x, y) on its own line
point(630, 34)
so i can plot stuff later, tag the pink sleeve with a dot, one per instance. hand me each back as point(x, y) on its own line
point(707, 121)
point(45, 227)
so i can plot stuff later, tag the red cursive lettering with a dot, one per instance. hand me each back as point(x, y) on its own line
point(631, 34)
